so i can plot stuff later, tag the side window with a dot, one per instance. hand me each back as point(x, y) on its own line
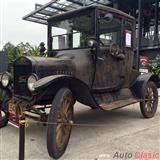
point(110, 28)
point(109, 38)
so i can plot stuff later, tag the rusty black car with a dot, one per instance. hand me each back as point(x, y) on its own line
point(90, 60)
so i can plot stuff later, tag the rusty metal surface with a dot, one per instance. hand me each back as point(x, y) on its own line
point(118, 104)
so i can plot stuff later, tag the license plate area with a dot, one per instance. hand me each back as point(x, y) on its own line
point(14, 117)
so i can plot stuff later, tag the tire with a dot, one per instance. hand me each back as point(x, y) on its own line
point(58, 135)
point(4, 98)
point(150, 103)
point(3, 119)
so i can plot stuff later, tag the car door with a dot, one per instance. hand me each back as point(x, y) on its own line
point(110, 69)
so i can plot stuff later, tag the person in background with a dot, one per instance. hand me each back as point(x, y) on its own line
point(42, 49)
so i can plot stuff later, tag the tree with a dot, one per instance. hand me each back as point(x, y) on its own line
point(154, 66)
point(22, 49)
point(10, 50)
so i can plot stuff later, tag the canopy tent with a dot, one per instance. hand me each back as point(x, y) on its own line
point(43, 12)
point(134, 8)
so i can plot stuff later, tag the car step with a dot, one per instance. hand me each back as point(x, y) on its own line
point(118, 104)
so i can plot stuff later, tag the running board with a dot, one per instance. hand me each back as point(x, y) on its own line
point(118, 104)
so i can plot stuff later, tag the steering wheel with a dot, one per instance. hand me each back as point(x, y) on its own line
point(114, 49)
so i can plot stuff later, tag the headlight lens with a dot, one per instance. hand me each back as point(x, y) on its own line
point(31, 81)
point(5, 79)
point(90, 43)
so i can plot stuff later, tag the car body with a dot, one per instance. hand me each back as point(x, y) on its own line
point(91, 61)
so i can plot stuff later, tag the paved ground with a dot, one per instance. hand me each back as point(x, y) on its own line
point(125, 131)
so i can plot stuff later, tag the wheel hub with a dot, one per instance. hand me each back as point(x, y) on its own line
point(149, 100)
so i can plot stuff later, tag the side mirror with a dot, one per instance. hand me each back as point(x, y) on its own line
point(92, 43)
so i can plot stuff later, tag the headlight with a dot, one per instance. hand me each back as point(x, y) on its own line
point(92, 43)
point(31, 81)
point(5, 79)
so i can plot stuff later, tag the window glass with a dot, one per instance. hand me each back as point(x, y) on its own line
point(73, 32)
point(109, 28)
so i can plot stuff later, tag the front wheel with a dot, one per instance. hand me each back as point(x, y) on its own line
point(59, 123)
point(149, 105)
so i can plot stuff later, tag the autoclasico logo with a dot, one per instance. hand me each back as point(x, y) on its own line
point(136, 155)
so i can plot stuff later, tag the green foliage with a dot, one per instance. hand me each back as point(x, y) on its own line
point(154, 66)
point(22, 49)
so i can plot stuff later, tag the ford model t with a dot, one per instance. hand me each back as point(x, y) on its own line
point(91, 61)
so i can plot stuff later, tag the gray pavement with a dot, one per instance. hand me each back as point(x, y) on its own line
point(122, 131)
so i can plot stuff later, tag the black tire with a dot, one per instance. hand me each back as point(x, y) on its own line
point(150, 103)
point(58, 134)
point(3, 119)
point(4, 98)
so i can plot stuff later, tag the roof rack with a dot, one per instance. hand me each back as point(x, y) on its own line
point(43, 12)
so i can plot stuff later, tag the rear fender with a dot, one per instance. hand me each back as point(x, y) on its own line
point(139, 85)
point(52, 84)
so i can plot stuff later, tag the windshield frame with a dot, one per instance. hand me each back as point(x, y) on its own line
point(64, 17)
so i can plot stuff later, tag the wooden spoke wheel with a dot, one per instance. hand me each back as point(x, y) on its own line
point(4, 98)
point(60, 123)
point(150, 102)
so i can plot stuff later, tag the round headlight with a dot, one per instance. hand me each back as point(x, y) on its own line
point(31, 81)
point(5, 79)
point(90, 43)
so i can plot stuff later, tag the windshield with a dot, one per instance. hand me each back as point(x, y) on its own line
point(109, 28)
point(73, 32)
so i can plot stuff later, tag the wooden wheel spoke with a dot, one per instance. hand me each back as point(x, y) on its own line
point(59, 134)
point(149, 100)
point(59, 119)
point(148, 106)
point(65, 110)
point(150, 91)
point(64, 116)
point(62, 130)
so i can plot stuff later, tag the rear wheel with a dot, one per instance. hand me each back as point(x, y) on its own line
point(4, 98)
point(149, 105)
point(59, 123)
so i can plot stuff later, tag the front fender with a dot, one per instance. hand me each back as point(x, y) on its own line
point(51, 84)
point(139, 85)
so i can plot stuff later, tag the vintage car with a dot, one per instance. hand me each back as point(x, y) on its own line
point(91, 60)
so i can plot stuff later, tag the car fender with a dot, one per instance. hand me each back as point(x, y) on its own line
point(140, 83)
point(51, 84)
point(8, 89)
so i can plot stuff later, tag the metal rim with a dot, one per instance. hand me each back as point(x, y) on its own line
point(64, 118)
point(150, 100)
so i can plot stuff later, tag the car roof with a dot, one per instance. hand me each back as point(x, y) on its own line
point(81, 9)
